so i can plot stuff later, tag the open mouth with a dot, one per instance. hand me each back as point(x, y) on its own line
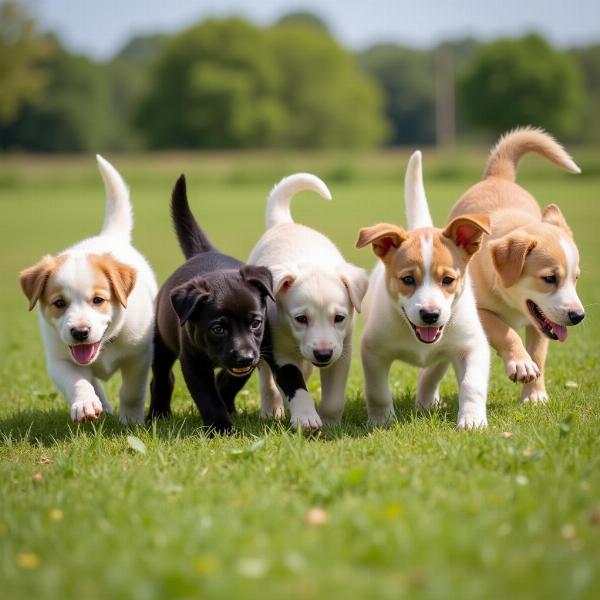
point(427, 335)
point(84, 354)
point(549, 328)
point(240, 371)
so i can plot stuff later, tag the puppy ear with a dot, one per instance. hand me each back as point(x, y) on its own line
point(509, 254)
point(382, 236)
point(186, 297)
point(33, 280)
point(121, 277)
point(284, 276)
point(466, 232)
point(554, 216)
point(356, 281)
point(260, 278)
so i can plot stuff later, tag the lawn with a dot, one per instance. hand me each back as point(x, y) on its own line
point(418, 510)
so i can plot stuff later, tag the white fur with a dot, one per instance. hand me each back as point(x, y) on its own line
point(311, 279)
point(417, 210)
point(388, 336)
point(125, 334)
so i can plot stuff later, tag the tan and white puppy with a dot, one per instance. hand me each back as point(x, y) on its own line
point(96, 309)
point(527, 270)
point(311, 323)
point(420, 308)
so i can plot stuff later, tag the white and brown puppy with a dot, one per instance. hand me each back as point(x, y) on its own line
point(526, 272)
point(96, 309)
point(311, 323)
point(420, 308)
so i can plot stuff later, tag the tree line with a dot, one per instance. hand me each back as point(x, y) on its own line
point(227, 83)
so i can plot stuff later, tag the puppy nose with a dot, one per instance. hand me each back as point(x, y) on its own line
point(576, 316)
point(244, 358)
point(429, 316)
point(323, 356)
point(80, 334)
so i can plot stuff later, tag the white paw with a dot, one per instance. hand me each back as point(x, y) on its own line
point(381, 418)
point(426, 404)
point(86, 409)
point(275, 412)
point(472, 418)
point(306, 420)
point(331, 419)
point(130, 415)
point(534, 396)
point(524, 371)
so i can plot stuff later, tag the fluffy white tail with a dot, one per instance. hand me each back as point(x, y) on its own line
point(415, 200)
point(506, 154)
point(118, 219)
point(278, 204)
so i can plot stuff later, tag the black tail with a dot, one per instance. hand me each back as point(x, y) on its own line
point(191, 238)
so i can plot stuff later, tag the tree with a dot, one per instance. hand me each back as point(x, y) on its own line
point(589, 63)
point(522, 82)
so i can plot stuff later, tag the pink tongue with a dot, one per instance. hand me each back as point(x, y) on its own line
point(84, 353)
point(428, 334)
point(560, 331)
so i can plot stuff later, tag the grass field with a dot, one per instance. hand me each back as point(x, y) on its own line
point(417, 510)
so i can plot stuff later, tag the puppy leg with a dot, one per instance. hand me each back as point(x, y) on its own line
point(472, 372)
point(76, 385)
point(133, 390)
point(99, 388)
point(537, 346)
point(200, 379)
point(506, 341)
point(428, 386)
point(380, 406)
point(271, 402)
point(228, 386)
point(163, 380)
point(333, 386)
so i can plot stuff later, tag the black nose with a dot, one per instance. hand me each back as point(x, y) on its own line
point(80, 333)
point(323, 356)
point(429, 316)
point(244, 359)
point(576, 316)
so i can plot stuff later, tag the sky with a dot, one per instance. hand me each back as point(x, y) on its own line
point(100, 28)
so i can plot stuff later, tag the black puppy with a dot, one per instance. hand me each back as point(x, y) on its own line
point(210, 314)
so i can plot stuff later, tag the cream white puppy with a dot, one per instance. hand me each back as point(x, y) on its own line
point(96, 310)
point(420, 308)
point(311, 323)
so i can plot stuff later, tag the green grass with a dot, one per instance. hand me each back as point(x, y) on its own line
point(417, 510)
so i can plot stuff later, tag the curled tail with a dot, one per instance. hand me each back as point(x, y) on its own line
point(278, 204)
point(415, 200)
point(506, 154)
point(192, 239)
point(118, 219)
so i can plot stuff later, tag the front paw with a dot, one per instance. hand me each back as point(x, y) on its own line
point(381, 417)
point(307, 420)
point(88, 408)
point(275, 412)
point(427, 404)
point(532, 395)
point(472, 418)
point(131, 415)
point(522, 369)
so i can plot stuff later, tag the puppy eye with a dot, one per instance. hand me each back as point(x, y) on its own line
point(60, 303)
point(551, 279)
point(217, 330)
point(256, 323)
point(339, 318)
point(408, 280)
point(97, 300)
point(302, 319)
point(447, 280)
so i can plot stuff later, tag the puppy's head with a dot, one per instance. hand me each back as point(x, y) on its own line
point(82, 296)
point(425, 268)
point(538, 267)
point(225, 315)
point(318, 307)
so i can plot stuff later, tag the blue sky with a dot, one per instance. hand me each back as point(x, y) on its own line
point(100, 27)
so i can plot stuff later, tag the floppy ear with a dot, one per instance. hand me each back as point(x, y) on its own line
point(466, 232)
point(121, 277)
point(554, 216)
point(33, 280)
point(382, 236)
point(283, 277)
point(509, 254)
point(260, 278)
point(186, 297)
point(356, 281)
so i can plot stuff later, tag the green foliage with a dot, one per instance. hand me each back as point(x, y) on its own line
point(522, 82)
point(588, 60)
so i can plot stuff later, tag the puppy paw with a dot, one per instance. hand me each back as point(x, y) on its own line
point(472, 418)
point(531, 395)
point(426, 404)
point(381, 418)
point(85, 409)
point(523, 370)
point(331, 420)
point(307, 421)
point(130, 415)
point(275, 412)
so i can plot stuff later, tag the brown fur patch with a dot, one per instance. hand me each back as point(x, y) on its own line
point(34, 279)
point(383, 237)
point(554, 216)
point(121, 277)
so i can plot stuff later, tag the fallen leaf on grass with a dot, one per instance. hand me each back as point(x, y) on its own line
point(316, 516)
point(246, 452)
point(28, 560)
point(506, 434)
point(38, 478)
point(571, 384)
point(136, 444)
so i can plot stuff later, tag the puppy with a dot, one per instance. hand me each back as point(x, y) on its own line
point(420, 308)
point(311, 323)
point(211, 315)
point(96, 312)
point(527, 270)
